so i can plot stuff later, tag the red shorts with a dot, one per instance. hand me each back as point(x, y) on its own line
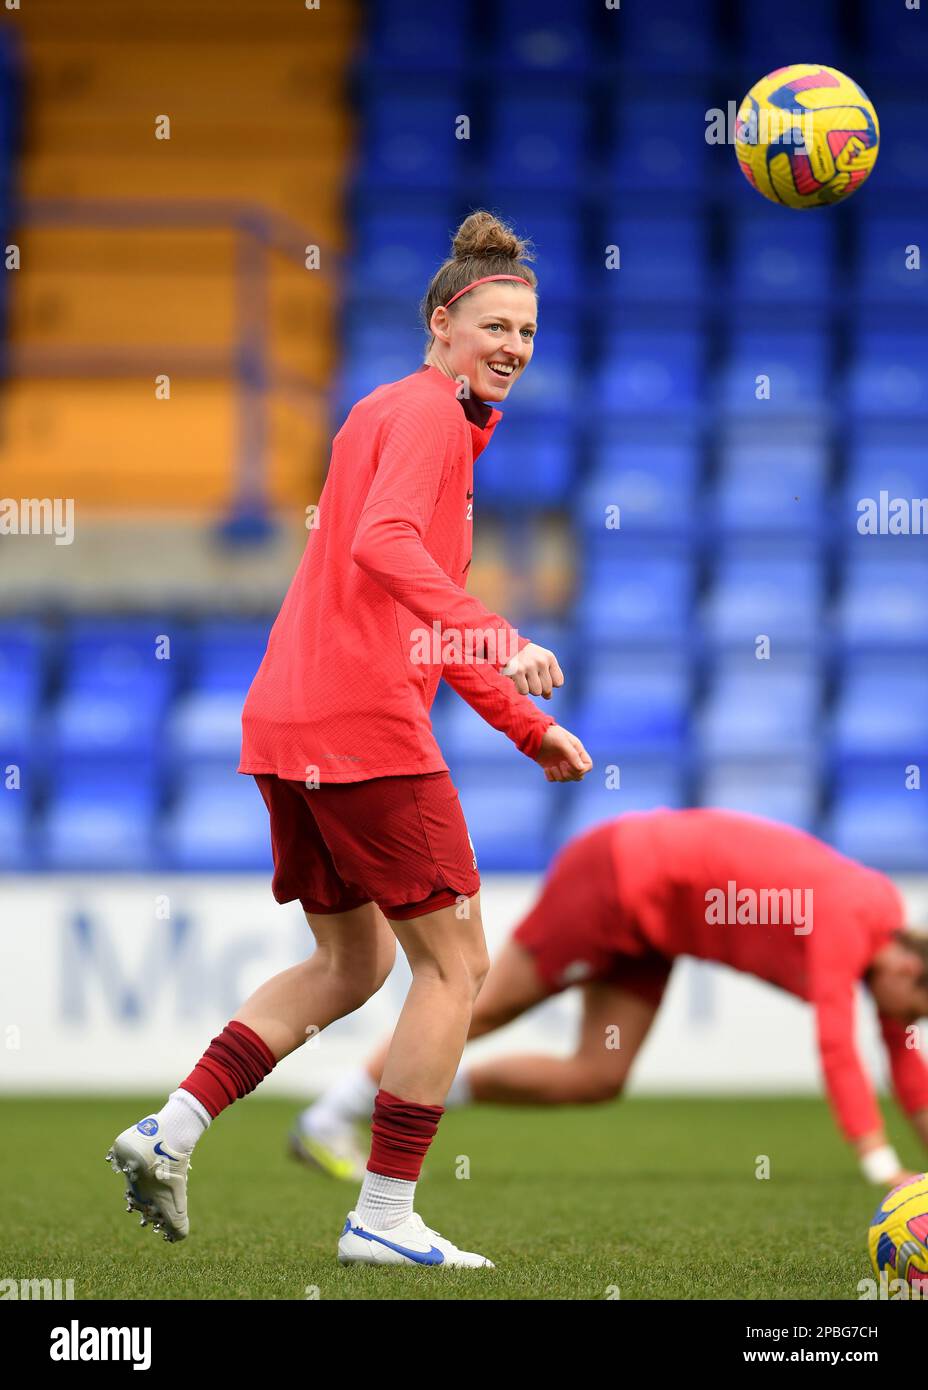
point(401, 842)
point(578, 930)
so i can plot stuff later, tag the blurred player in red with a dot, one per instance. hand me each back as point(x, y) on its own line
point(621, 902)
point(366, 825)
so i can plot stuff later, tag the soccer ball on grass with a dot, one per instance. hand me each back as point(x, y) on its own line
point(899, 1235)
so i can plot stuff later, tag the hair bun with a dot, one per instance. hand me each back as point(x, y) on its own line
point(482, 234)
point(483, 247)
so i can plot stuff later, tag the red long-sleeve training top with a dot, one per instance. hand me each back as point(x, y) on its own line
point(354, 658)
point(672, 867)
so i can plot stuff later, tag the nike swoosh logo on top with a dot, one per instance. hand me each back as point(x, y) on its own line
point(432, 1256)
point(471, 493)
point(163, 1153)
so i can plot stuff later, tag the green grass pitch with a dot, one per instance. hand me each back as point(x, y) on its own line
point(644, 1199)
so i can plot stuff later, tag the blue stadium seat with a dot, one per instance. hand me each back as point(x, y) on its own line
point(769, 267)
point(559, 636)
point(397, 253)
point(560, 265)
point(806, 455)
point(440, 714)
point(206, 722)
point(634, 700)
point(507, 806)
point(115, 653)
point(796, 364)
point(372, 361)
point(673, 37)
point(896, 43)
point(882, 708)
point(661, 259)
point(228, 653)
point(557, 351)
point(394, 344)
point(537, 139)
point(219, 821)
point(774, 36)
point(406, 36)
point(465, 738)
point(885, 272)
point(99, 816)
point(628, 596)
point(643, 785)
point(409, 136)
point(372, 206)
point(876, 819)
point(902, 474)
point(767, 487)
point(116, 687)
point(659, 145)
point(764, 708)
point(653, 485)
point(549, 387)
point(782, 788)
point(12, 65)
point(884, 602)
point(776, 597)
point(112, 725)
point(901, 171)
point(543, 40)
point(15, 846)
point(22, 673)
point(531, 462)
point(650, 374)
point(889, 377)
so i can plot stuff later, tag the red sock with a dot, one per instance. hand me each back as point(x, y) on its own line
point(231, 1066)
point(402, 1132)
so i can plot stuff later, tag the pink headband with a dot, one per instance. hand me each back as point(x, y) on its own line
point(486, 279)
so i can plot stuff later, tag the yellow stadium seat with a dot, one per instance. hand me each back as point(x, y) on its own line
point(112, 446)
point(261, 136)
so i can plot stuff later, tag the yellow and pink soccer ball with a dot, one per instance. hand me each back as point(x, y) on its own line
point(806, 136)
point(898, 1237)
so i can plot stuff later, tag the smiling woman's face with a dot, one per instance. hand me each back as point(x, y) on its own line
point(487, 337)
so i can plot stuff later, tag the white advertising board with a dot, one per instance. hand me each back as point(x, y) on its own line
point(118, 985)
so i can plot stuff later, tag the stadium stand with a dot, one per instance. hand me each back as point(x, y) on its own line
point(738, 504)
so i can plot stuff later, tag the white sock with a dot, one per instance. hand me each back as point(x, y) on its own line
point(459, 1092)
point(350, 1099)
point(384, 1202)
point(182, 1121)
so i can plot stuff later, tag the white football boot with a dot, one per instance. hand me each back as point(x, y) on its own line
point(156, 1178)
point(412, 1243)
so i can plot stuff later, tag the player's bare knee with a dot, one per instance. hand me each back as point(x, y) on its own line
point(594, 1087)
point(386, 957)
point(478, 965)
point(351, 982)
point(487, 1020)
point(372, 979)
point(353, 991)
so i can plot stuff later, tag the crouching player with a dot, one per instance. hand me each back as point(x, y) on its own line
point(620, 903)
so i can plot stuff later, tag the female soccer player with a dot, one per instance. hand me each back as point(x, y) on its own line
point(621, 902)
point(366, 824)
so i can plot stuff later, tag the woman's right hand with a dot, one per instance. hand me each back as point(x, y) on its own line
point(534, 671)
point(563, 756)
